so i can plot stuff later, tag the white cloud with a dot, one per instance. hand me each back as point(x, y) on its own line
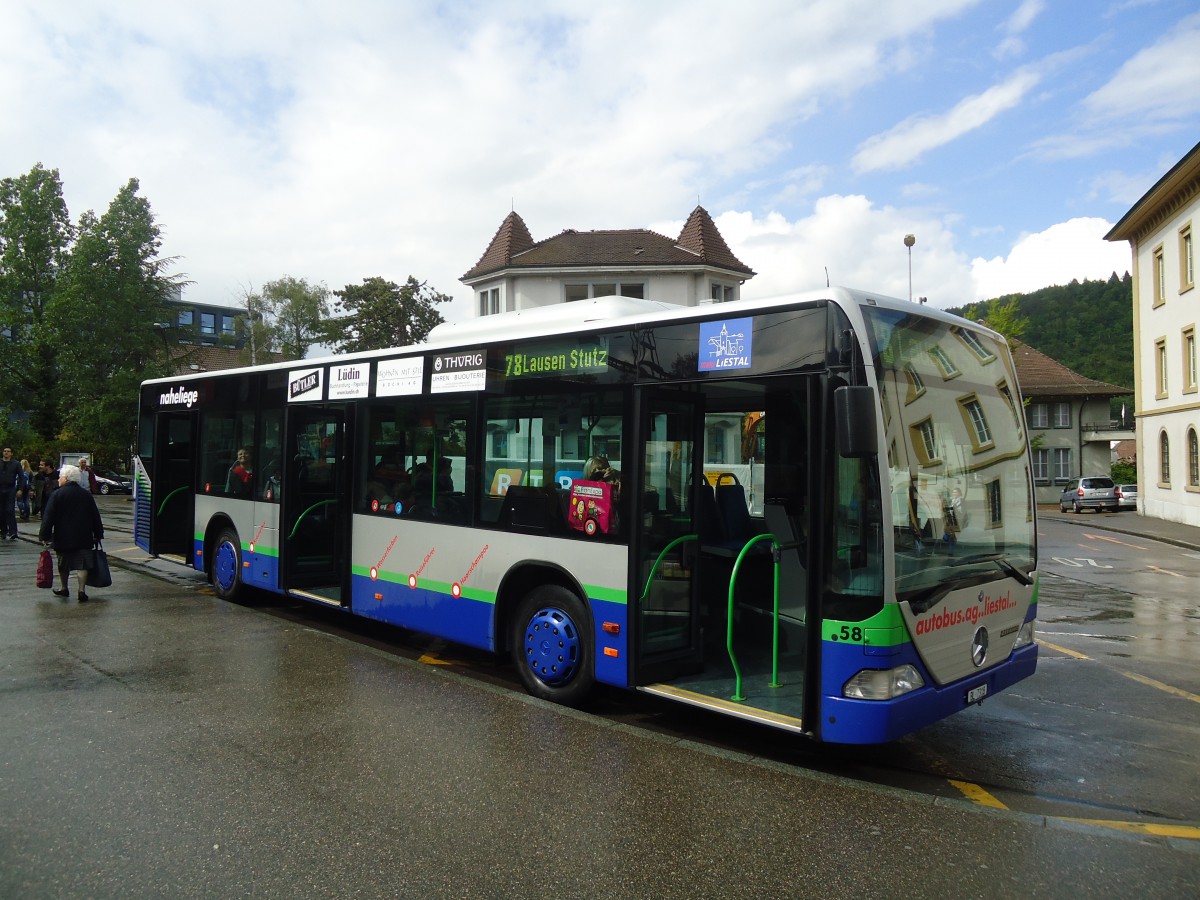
point(1155, 85)
point(904, 143)
point(341, 141)
point(1018, 23)
point(1072, 250)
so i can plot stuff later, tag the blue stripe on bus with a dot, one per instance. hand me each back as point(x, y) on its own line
point(612, 650)
point(848, 721)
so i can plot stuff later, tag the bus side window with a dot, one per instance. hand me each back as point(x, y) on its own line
point(269, 480)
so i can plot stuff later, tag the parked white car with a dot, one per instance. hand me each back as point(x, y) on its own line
point(1127, 495)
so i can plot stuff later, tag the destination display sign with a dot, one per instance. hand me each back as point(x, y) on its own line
point(566, 358)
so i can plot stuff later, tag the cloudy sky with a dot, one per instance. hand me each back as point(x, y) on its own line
point(339, 141)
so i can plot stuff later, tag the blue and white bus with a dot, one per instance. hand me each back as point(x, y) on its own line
point(814, 512)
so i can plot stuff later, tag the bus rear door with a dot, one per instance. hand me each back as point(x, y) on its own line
point(315, 504)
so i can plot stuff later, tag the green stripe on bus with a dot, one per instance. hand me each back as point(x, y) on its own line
point(608, 595)
point(884, 629)
point(427, 584)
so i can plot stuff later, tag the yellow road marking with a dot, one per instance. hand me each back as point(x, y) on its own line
point(976, 794)
point(1178, 692)
point(438, 661)
point(1190, 832)
point(1073, 653)
point(1132, 676)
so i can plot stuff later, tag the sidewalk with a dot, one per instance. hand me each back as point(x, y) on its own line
point(1131, 523)
point(117, 513)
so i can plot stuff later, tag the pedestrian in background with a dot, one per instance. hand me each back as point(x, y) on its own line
point(87, 478)
point(24, 489)
point(71, 525)
point(9, 470)
point(45, 482)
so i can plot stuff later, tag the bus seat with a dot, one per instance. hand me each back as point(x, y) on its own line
point(734, 515)
point(707, 522)
point(793, 583)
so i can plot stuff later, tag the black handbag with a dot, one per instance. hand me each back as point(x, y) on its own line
point(99, 575)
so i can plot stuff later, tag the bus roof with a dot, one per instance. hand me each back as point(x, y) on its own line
point(590, 315)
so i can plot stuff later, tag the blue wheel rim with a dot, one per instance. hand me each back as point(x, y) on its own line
point(552, 646)
point(225, 566)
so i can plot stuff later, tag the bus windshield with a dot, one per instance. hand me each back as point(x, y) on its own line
point(961, 497)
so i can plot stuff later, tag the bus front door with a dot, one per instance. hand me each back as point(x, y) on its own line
point(315, 509)
point(173, 480)
point(669, 627)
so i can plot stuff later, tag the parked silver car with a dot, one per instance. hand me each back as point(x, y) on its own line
point(1089, 493)
point(1127, 495)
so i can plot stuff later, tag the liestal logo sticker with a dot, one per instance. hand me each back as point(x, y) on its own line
point(727, 344)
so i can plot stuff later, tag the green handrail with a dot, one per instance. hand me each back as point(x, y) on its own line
point(163, 505)
point(738, 696)
point(653, 569)
point(292, 534)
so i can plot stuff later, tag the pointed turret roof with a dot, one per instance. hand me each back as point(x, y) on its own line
point(511, 238)
point(700, 235)
point(699, 244)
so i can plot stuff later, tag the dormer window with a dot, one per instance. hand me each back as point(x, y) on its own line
point(489, 301)
point(723, 293)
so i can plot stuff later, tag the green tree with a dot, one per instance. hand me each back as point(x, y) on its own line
point(1005, 317)
point(261, 337)
point(107, 316)
point(299, 313)
point(380, 313)
point(35, 234)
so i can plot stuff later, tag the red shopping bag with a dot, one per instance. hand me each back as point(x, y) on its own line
point(45, 575)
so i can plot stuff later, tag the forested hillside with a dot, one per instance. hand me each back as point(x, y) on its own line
point(1087, 326)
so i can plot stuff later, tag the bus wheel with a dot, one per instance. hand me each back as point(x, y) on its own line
point(552, 645)
point(227, 565)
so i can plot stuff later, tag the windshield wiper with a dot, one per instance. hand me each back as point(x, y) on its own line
point(999, 559)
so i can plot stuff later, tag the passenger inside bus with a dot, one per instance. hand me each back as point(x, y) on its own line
point(273, 487)
point(238, 481)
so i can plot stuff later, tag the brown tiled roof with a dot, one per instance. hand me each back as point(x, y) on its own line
point(215, 359)
point(1041, 376)
point(699, 244)
point(512, 237)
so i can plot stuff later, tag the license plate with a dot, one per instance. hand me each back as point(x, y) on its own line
point(975, 694)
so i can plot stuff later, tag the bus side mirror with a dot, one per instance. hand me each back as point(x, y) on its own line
point(854, 414)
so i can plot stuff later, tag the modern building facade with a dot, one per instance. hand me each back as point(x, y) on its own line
point(518, 273)
point(1160, 229)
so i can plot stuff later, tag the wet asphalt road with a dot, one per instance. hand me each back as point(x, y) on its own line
point(160, 742)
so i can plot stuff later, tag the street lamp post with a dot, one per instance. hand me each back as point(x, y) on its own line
point(909, 240)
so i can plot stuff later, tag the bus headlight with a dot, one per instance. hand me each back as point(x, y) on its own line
point(1024, 636)
point(883, 684)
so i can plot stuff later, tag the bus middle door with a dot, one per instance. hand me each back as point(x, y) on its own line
point(668, 549)
point(314, 538)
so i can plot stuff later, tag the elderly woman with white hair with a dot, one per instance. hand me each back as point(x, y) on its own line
point(71, 525)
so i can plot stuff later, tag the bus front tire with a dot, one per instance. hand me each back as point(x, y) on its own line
point(227, 565)
point(552, 645)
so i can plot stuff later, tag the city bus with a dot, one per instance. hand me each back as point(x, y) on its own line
point(815, 512)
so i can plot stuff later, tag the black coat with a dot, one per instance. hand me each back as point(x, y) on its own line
point(71, 520)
